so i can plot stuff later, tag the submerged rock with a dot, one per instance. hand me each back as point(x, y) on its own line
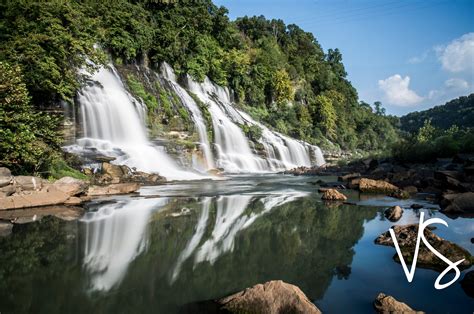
point(407, 237)
point(272, 297)
point(333, 195)
point(387, 304)
point(394, 213)
point(467, 283)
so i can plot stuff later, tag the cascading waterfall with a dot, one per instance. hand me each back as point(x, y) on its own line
point(113, 125)
point(233, 149)
point(168, 73)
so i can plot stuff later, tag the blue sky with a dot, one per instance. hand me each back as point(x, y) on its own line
point(409, 54)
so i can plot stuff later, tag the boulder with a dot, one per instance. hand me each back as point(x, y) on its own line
point(5, 172)
point(407, 237)
point(112, 189)
point(376, 186)
point(394, 213)
point(333, 195)
point(7, 190)
point(349, 177)
point(50, 196)
point(458, 203)
point(387, 304)
point(4, 181)
point(467, 283)
point(73, 200)
point(113, 173)
point(28, 183)
point(273, 297)
point(71, 186)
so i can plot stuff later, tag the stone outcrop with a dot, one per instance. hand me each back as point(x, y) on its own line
point(273, 297)
point(386, 304)
point(407, 237)
point(459, 203)
point(49, 196)
point(71, 186)
point(382, 187)
point(333, 195)
point(113, 174)
point(113, 189)
point(394, 213)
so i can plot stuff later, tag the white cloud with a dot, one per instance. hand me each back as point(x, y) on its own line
point(398, 92)
point(458, 56)
point(456, 83)
point(418, 59)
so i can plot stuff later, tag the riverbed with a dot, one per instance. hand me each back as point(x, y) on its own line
point(174, 245)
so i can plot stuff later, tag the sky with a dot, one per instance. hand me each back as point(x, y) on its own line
point(409, 54)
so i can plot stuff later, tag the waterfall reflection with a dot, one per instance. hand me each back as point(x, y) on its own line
point(114, 235)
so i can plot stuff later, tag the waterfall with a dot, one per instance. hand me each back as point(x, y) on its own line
point(113, 123)
point(233, 148)
point(168, 73)
point(114, 236)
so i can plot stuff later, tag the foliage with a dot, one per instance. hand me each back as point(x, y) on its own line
point(59, 168)
point(29, 138)
point(138, 89)
point(458, 112)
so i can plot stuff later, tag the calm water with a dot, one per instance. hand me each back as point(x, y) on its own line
point(181, 243)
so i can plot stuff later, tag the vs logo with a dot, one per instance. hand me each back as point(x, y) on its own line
point(411, 273)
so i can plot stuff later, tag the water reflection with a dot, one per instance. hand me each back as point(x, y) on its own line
point(114, 236)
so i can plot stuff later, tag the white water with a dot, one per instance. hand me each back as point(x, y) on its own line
point(113, 123)
point(168, 73)
point(233, 149)
point(114, 236)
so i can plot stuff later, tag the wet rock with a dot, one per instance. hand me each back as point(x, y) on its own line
point(112, 189)
point(333, 195)
point(71, 186)
point(28, 183)
point(214, 172)
point(5, 228)
point(411, 189)
point(467, 283)
point(73, 200)
point(407, 237)
point(416, 206)
point(349, 177)
point(113, 173)
point(49, 196)
point(145, 178)
point(394, 213)
point(387, 304)
point(333, 185)
point(272, 297)
point(300, 171)
point(458, 203)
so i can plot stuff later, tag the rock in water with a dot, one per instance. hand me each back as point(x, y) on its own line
point(407, 237)
point(50, 196)
point(112, 189)
point(394, 213)
point(376, 186)
point(459, 203)
point(273, 297)
point(387, 304)
point(333, 195)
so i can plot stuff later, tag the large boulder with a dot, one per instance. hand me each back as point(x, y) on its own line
point(333, 195)
point(7, 190)
point(49, 196)
point(272, 297)
point(407, 237)
point(4, 181)
point(458, 203)
point(112, 189)
point(5, 172)
point(28, 183)
point(394, 213)
point(71, 186)
point(387, 304)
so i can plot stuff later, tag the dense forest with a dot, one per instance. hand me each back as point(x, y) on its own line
point(459, 112)
point(278, 73)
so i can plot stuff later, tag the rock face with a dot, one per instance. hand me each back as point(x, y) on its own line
point(394, 213)
point(333, 195)
point(28, 183)
point(113, 174)
point(71, 186)
point(459, 203)
point(407, 237)
point(387, 305)
point(272, 297)
point(119, 188)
